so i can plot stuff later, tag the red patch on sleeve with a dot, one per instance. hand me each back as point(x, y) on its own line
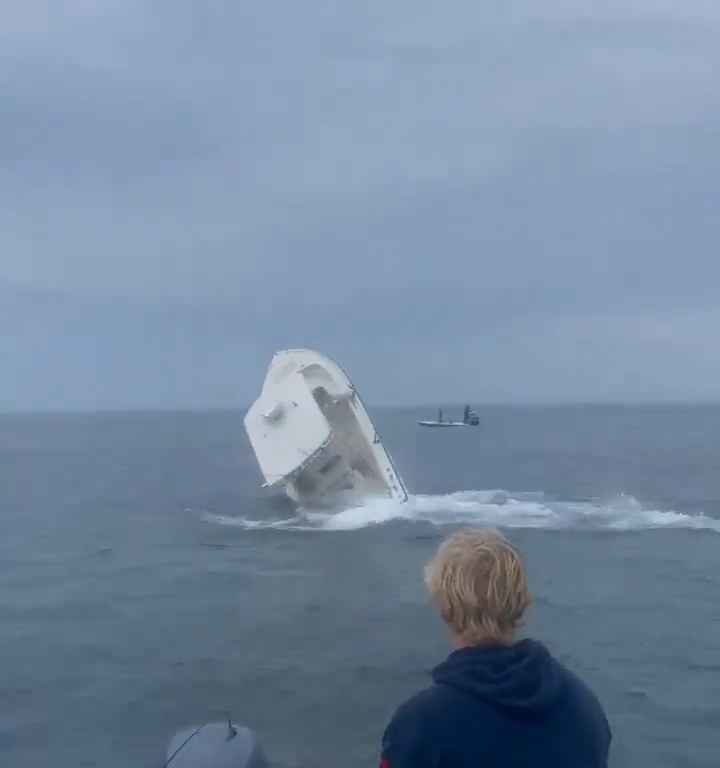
point(384, 763)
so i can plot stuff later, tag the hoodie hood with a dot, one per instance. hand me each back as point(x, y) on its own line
point(522, 678)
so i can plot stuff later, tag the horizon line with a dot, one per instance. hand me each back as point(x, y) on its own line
point(145, 409)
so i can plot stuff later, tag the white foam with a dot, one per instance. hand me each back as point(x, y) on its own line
point(247, 523)
point(497, 508)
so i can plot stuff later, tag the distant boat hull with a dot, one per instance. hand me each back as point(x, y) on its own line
point(470, 419)
point(443, 424)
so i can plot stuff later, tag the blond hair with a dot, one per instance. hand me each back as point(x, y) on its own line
point(477, 580)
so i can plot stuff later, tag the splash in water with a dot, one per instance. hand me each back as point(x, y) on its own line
point(497, 508)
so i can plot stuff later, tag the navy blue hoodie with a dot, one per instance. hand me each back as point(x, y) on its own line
point(510, 707)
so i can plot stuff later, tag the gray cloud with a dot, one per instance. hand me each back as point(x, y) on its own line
point(194, 182)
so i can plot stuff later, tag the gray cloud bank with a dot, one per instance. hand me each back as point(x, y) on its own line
point(491, 202)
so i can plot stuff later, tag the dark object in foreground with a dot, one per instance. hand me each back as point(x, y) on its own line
point(504, 706)
point(215, 745)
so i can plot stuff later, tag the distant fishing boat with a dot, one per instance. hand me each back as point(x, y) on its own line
point(470, 419)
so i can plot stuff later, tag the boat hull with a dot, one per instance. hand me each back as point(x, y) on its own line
point(442, 424)
point(314, 438)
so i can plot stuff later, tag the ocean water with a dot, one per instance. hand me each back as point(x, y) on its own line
point(147, 583)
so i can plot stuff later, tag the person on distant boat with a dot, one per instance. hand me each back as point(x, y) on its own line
point(496, 701)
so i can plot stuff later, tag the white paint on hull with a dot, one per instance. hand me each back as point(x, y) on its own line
point(313, 436)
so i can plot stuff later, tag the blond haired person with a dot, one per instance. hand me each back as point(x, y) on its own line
point(496, 700)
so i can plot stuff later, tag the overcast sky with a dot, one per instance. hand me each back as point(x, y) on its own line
point(459, 200)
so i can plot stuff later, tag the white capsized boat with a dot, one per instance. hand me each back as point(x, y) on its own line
point(313, 437)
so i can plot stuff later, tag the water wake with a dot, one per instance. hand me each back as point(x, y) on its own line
point(501, 509)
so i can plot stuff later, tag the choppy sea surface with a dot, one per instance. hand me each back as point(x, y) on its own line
point(147, 583)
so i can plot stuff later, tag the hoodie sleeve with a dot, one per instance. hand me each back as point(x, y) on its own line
point(404, 743)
